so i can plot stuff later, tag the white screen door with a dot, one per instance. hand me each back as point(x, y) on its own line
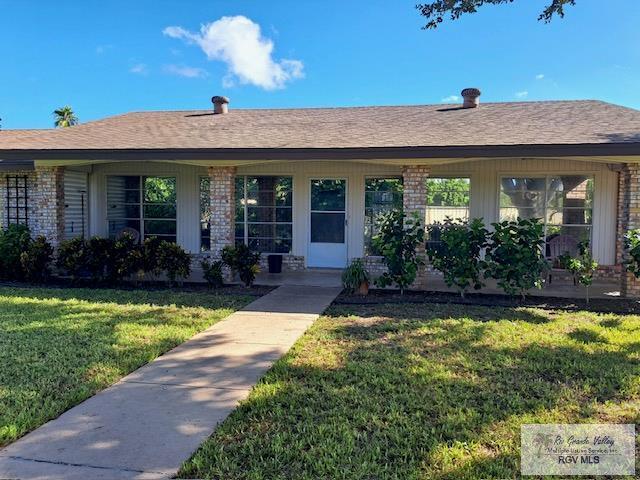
point(327, 239)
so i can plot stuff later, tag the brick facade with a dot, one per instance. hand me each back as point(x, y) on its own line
point(414, 200)
point(628, 219)
point(222, 198)
point(45, 206)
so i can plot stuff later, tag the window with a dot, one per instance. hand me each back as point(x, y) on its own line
point(205, 214)
point(446, 197)
point(17, 197)
point(146, 205)
point(563, 202)
point(381, 195)
point(264, 213)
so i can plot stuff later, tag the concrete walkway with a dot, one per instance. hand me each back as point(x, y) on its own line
point(147, 424)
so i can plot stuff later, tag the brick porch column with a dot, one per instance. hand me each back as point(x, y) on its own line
point(628, 219)
point(48, 204)
point(414, 199)
point(222, 198)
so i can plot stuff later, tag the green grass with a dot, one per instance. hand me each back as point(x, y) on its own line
point(60, 346)
point(425, 391)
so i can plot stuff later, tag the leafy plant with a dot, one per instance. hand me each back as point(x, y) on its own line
point(355, 275)
point(583, 267)
point(125, 258)
point(243, 261)
point(458, 254)
point(212, 273)
point(72, 257)
point(151, 256)
point(515, 257)
point(14, 240)
point(36, 260)
point(98, 255)
point(174, 261)
point(632, 249)
point(397, 240)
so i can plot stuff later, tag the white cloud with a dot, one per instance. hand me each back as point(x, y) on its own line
point(450, 99)
point(185, 71)
point(238, 42)
point(540, 76)
point(522, 94)
point(139, 69)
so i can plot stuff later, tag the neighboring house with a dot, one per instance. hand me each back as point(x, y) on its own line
point(307, 183)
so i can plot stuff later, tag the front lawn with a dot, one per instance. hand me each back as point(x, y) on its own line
point(425, 391)
point(60, 346)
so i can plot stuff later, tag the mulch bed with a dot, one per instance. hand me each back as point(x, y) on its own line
point(598, 305)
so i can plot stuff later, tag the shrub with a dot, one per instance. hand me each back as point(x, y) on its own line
point(174, 261)
point(151, 256)
point(98, 252)
point(632, 248)
point(515, 257)
point(397, 240)
point(355, 275)
point(36, 260)
point(125, 258)
point(457, 255)
point(241, 260)
point(583, 267)
point(212, 273)
point(72, 257)
point(14, 240)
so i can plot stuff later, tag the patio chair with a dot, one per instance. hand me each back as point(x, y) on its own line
point(560, 245)
point(132, 232)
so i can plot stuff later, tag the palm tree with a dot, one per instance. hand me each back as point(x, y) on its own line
point(64, 117)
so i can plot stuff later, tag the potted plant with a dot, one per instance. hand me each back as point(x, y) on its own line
point(355, 278)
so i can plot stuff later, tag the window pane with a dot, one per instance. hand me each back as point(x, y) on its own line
point(381, 195)
point(160, 190)
point(159, 211)
point(448, 192)
point(569, 216)
point(159, 227)
point(327, 227)
point(268, 211)
point(328, 195)
point(116, 226)
point(513, 213)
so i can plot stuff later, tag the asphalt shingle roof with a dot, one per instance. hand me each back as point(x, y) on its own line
point(519, 123)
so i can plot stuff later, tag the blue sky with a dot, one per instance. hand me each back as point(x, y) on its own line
point(110, 57)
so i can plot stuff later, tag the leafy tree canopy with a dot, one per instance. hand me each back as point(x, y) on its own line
point(64, 117)
point(436, 11)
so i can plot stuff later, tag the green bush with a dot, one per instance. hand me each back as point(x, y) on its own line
point(151, 256)
point(457, 255)
point(125, 258)
point(36, 260)
point(174, 261)
point(515, 255)
point(98, 252)
point(14, 240)
point(354, 275)
point(397, 240)
point(212, 273)
point(632, 250)
point(241, 260)
point(72, 257)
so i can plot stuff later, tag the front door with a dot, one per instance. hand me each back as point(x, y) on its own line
point(327, 240)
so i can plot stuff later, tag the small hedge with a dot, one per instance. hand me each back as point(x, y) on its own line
point(22, 257)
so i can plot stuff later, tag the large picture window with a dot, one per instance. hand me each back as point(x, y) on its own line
point(264, 213)
point(563, 202)
point(16, 199)
point(381, 195)
point(144, 206)
point(205, 214)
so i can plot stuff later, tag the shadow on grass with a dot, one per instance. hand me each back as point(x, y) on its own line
point(60, 346)
point(422, 394)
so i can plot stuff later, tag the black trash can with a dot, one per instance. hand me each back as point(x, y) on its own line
point(275, 263)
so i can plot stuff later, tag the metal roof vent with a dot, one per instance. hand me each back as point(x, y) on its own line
point(471, 97)
point(220, 104)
